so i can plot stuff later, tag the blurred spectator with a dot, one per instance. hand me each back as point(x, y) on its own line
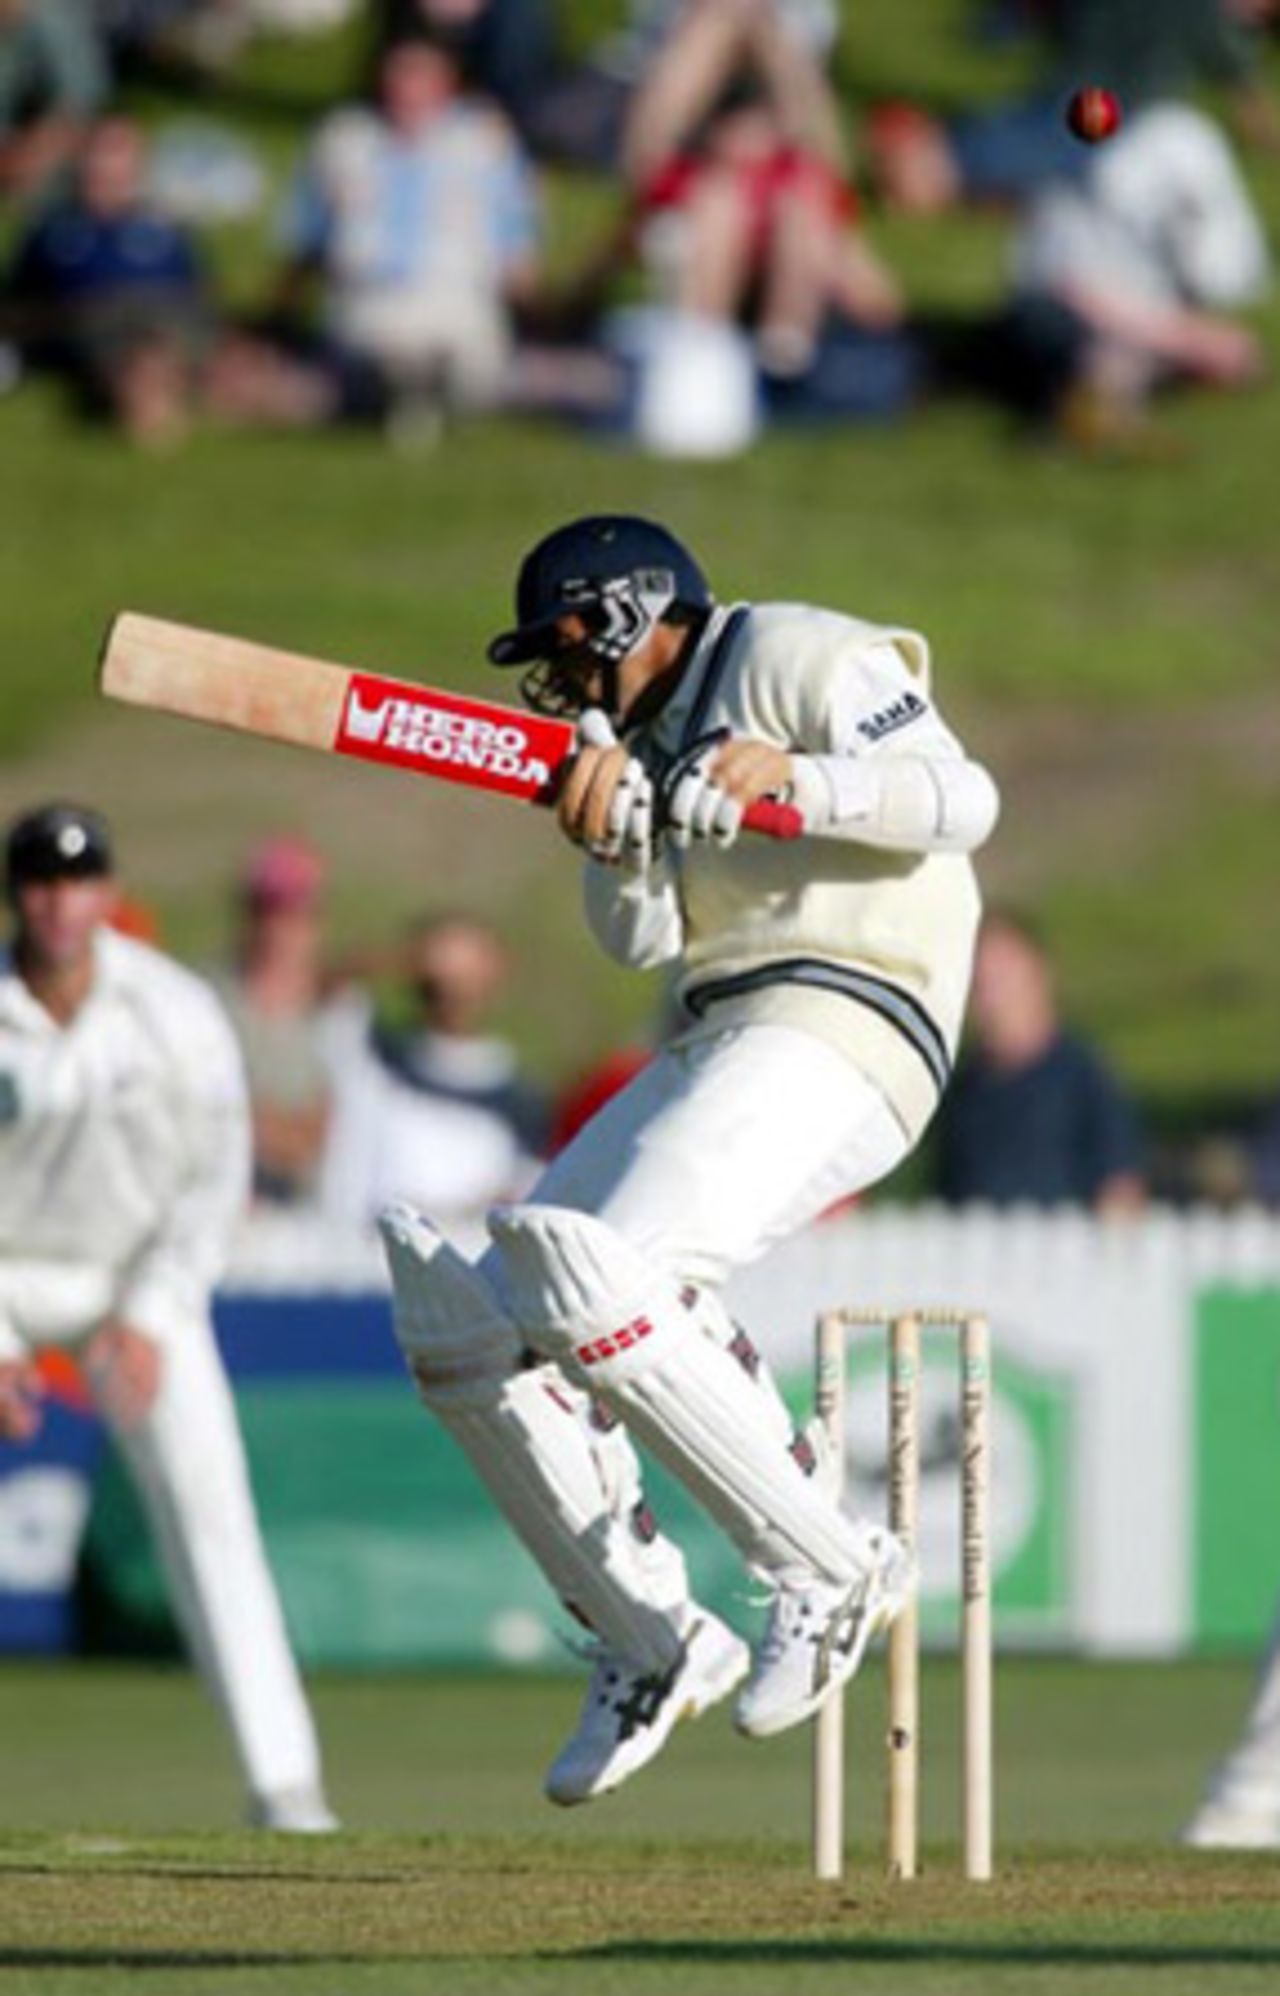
point(1147, 54)
point(417, 218)
point(132, 917)
point(1264, 1156)
point(764, 296)
point(734, 148)
point(509, 50)
point(588, 1092)
point(710, 50)
point(1033, 1113)
point(273, 994)
point(53, 80)
point(109, 292)
point(1124, 278)
point(438, 1111)
point(571, 108)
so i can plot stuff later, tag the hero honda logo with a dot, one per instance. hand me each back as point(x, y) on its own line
point(469, 743)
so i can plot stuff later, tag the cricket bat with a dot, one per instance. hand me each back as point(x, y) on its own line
point(343, 710)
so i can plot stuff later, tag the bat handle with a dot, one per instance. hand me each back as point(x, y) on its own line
point(766, 815)
point(776, 821)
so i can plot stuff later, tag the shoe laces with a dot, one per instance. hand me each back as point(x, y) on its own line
point(792, 1617)
point(643, 1692)
point(608, 1666)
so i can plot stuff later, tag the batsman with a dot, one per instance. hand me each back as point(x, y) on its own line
point(821, 983)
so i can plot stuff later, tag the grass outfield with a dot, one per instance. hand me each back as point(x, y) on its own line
point(114, 1869)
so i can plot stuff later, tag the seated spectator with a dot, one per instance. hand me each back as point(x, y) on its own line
point(572, 109)
point(733, 147)
point(765, 297)
point(273, 992)
point(437, 1111)
point(766, 234)
point(509, 51)
point(107, 291)
point(110, 293)
point(1033, 1114)
point(710, 48)
point(1147, 54)
point(416, 218)
point(1125, 278)
point(53, 81)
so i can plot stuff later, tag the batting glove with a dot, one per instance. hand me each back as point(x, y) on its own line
point(629, 832)
point(696, 805)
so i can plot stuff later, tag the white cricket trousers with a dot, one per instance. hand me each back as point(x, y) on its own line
point(188, 1462)
point(717, 1151)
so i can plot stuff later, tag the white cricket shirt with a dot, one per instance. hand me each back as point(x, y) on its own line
point(124, 1147)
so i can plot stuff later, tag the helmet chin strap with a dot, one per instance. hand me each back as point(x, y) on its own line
point(609, 689)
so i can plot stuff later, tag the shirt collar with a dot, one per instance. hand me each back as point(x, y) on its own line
point(667, 727)
point(20, 1009)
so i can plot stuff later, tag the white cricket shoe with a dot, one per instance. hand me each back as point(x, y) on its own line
point(297, 1811)
point(629, 1713)
point(817, 1636)
point(1243, 1824)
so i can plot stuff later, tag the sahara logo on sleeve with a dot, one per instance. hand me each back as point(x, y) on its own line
point(899, 713)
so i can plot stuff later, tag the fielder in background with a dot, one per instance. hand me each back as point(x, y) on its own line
point(1240, 1808)
point(124, 1164)
point(822, 982)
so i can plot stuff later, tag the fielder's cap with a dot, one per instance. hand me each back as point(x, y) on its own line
point(283, 872)
point(58, 842)
point(568, 569)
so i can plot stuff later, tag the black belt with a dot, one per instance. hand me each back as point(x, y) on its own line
point(894, 1005)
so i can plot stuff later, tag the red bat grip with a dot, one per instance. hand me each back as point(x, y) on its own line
point(776, 821)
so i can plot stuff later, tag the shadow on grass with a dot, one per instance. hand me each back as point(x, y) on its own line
point(956, 1953)
point(830, 1951)
point(169, 1958)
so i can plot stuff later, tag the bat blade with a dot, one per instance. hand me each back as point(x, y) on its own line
point(288, 696)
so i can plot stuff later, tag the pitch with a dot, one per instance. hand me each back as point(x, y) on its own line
point(118, 1866)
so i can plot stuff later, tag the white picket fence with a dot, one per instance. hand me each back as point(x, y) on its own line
point(1102, 1463)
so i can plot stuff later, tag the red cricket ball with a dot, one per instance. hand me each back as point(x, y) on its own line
point(1093, 113)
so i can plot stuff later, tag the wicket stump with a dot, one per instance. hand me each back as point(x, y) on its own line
point(903, 1736)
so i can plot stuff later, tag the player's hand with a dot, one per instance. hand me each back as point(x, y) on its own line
point(1220, 351)
point(123, 1368)
point(607, 803)
point(20, 1397)
point(747, 770)
point(707, 796)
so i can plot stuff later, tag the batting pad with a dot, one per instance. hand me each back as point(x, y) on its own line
point(714, 1321)
point(567, 1492)
point(808, 1444)
point(456, 1338)
point(587, 1297)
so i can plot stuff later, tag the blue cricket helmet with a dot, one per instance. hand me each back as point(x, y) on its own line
point(620, 573)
